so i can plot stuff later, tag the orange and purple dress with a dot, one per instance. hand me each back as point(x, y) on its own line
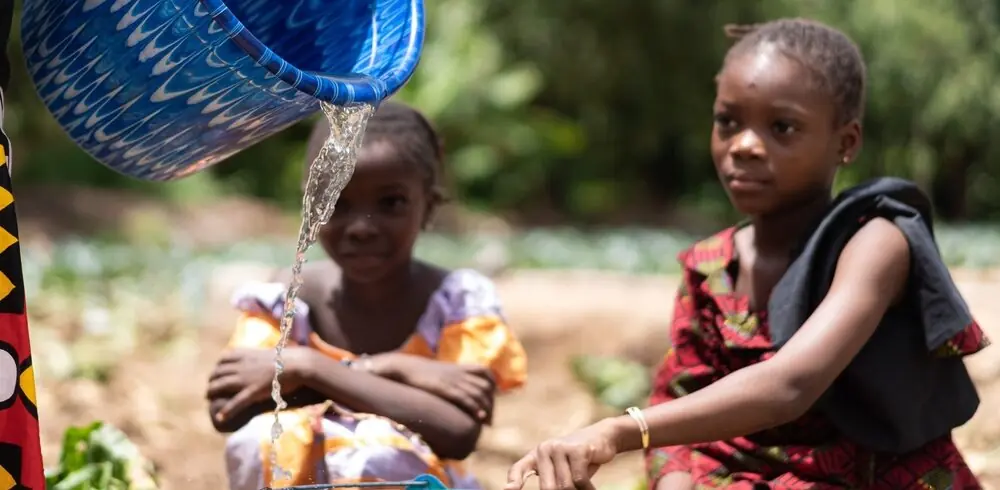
point(328, 443)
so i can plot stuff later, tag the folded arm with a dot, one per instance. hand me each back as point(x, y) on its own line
point(448, 430)
point(302, 397)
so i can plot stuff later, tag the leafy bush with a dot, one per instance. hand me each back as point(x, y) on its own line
point(616, 382)
point(100, 457)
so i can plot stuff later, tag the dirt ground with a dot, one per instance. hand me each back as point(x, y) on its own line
point(158, 399)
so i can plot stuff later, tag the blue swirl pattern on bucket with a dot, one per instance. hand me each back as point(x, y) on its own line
point(160, 89)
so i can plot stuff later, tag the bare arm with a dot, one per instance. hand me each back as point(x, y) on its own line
point(448, 430)
point(784, 387)
point(300, 398)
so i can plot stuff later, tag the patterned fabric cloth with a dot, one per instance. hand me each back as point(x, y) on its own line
point(714, 333)
point(20, 445)
point(329, 443)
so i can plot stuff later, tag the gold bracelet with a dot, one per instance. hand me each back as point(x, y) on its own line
point(640, 419)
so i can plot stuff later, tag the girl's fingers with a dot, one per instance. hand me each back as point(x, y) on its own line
point(223, 386)
point(480, 372)
point(546, 470)
point(482, 400)
point(459, 396)
point(483, 379)
point(230, 356)
point(580, 472)
point(238, 402)
point(563, 473)
point(521, 471)
point(222, 370)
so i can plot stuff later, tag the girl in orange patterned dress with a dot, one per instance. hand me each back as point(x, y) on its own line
point(394, 362)
point(819, 344)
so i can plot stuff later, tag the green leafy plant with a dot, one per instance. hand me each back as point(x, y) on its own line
point(615, 382)
point(98, 456)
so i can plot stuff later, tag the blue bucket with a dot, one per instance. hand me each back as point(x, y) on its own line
point(160, 89)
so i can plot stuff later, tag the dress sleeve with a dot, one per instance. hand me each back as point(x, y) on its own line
point(949, 328)
point(686, 367)
point(474, 330)
point(255, 330)
point(260, 305)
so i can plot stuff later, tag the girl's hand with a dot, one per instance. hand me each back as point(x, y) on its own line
point(470, 387)
point(243, 377)
point(569, 462)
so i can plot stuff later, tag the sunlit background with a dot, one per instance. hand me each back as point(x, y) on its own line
point(576, 135)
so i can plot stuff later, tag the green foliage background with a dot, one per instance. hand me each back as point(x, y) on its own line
point(598, 112)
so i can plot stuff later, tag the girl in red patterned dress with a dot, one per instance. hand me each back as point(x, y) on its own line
point(818, 344)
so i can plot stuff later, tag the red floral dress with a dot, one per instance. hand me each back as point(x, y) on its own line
point(713, 334)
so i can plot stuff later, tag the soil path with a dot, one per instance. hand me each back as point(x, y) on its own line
point(158, 399)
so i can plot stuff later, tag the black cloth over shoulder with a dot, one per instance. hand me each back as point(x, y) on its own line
point(895, 396)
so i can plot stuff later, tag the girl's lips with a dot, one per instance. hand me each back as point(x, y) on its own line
point(360, 263)
point(362, 258)
point(741, 184)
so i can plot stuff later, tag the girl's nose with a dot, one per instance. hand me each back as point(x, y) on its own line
point(748, 145)
point(361, 227)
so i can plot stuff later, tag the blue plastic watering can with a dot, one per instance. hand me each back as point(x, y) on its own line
point(422, 482)
point(159, 89)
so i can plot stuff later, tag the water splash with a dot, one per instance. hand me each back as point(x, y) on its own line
point(327, 176)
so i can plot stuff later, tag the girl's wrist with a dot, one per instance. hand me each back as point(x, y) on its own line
point(383, 365)
point(298, 365)
point(625, 433)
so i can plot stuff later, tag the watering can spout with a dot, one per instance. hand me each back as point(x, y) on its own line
point(160, 89)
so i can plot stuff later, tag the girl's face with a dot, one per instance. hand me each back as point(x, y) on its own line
point(378, 217)
point(774, 142)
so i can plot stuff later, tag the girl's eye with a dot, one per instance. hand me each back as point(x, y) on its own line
point(724, 121)
point(783, 127)
point(341, 208)
point(392, 203)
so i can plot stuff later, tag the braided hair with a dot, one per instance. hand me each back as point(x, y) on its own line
point(834, 61)
point(411, 135)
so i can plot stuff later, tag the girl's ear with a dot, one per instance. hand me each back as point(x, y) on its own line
point(437, 198)
point(428, 217)
point(850, 142)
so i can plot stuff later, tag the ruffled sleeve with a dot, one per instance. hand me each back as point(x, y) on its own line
point(464, 324)
point(261, 306)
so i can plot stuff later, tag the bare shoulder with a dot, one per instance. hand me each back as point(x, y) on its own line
point(879, 240)
point(878, 253)
point(431, 276)
point(431, 269)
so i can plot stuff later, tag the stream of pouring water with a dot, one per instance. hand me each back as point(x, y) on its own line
point(327, 176)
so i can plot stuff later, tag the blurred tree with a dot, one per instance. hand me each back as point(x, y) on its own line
point(638, 77)
point(934, 104)
point(597, 111)
point(501, 149)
